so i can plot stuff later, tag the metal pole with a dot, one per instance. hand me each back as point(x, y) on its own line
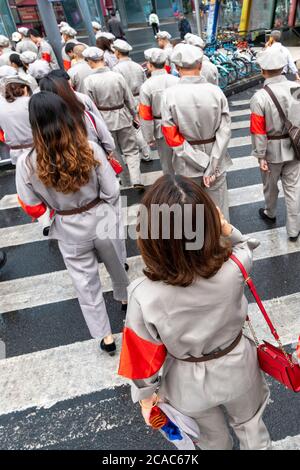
point(51, 28)
point(86, 16)
point(197, 11)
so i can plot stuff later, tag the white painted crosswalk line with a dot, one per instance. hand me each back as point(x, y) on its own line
point(240, 125)
point(241, 112)
point(44, 378)
point(240, 103)
point(20, 294)
point(289, 443)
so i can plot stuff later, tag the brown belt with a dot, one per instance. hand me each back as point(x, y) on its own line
point(278, 137)
point(21, 147)
point(216, 355)
point(202, 142)
point(80, 210)
point(113, 108)
point(136, 95)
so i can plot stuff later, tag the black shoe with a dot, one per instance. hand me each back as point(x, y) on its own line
point(294, 239)
point(109, 348)
point(265, 217)
point(126, 266)
point(3, 259)
point(124, 308)
point(139, 187)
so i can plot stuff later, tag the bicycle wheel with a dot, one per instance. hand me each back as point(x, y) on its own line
point(232, 72)
point(241, 68)
point(223, 78)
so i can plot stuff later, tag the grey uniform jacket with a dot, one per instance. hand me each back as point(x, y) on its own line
point(265, 121)
point(109, 89)
point(14, 122)
point(196, 110)
point(210, 71)
point(96, 127)
point(191, 321)
point(46, 52)
point(151, 103)
point(4, 57)
point(110, 59)
point(79, 228)
point(133, 74)
point(26, 45)
point(78, 73)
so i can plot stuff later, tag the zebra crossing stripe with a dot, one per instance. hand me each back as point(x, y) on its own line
point(20, 294)
point(43, 378)
point(240, 103)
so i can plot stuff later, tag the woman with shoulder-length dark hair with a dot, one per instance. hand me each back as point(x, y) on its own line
point(80, 110)
point(109, 55)
point(187, 314)
point(20, 67)
point(15, 129)
point(72, 177)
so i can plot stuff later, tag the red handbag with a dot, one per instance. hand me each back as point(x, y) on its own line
point(274, 361)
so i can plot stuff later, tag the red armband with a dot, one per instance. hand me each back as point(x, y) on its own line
point(140, 359)
point(46, 56)
point(145, 112)
point(258, 124)
point(33, 211)
point(172, 136)
point(2, 136)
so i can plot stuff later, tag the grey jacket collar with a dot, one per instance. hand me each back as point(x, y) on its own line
point(277, 79)
point(194, 80)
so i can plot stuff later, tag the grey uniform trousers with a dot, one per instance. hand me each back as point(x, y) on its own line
point(289, 173)
point(218, 193)
point(82, 264)
point(126, 143)
point(245, 416)
point(166, 156)
point(143, 146)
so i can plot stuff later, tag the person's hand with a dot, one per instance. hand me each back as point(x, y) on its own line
point(263, 164)
point(226, 227)
point(146, 406)
point(208, 181)
point(298, 77)
point(110, 156)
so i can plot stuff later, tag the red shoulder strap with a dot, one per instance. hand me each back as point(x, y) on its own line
point(256, 296)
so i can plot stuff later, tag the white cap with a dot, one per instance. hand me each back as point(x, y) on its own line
point(39, 69)
point(4, 41)
point(23, 31)
point(194, 40)
point(272, 58)
point(122, 46)
point(103, 34)
point(186, 56)
point(156, 55)
point(163, 35)
point(16, 79)
point(16, 37)
point(62, 24)
point(93, 53)
point(96, 25)
point(7, 71)
point(28, 57)
point(68, 31)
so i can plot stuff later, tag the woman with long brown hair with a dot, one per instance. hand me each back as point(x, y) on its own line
point(109, 56)
point(187, 314)
point(72, 177)
point(15, 129)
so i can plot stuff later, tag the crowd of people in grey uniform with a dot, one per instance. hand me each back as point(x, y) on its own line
point(63, 127)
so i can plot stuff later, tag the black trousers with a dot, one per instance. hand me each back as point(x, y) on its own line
point(155, 28)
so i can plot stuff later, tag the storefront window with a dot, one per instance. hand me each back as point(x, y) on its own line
point(261, 15)
point(95, 11)
point(230, 14)
point(72, 13)
point(167, 8)
point(282, 13)
point(6, 20)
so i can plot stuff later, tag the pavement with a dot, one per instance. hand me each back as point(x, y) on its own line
point(57, 390)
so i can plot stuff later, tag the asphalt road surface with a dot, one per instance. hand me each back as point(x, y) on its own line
point(57, 390)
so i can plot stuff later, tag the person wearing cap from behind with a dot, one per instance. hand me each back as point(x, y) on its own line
point(22, 69)
point(80, 69)
point(15, 129)
point(5, 50)
point(25, 44)
point(151, 102)
point(45, 50)
point(164, 42)
point(69, 37)
point(134, 76)
point(15, 39)
point(271, 144)
point(115, 101)
point(209, 70)
point(196, 124)
point(275, 42)
point(96, 26)
point(39, 69)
